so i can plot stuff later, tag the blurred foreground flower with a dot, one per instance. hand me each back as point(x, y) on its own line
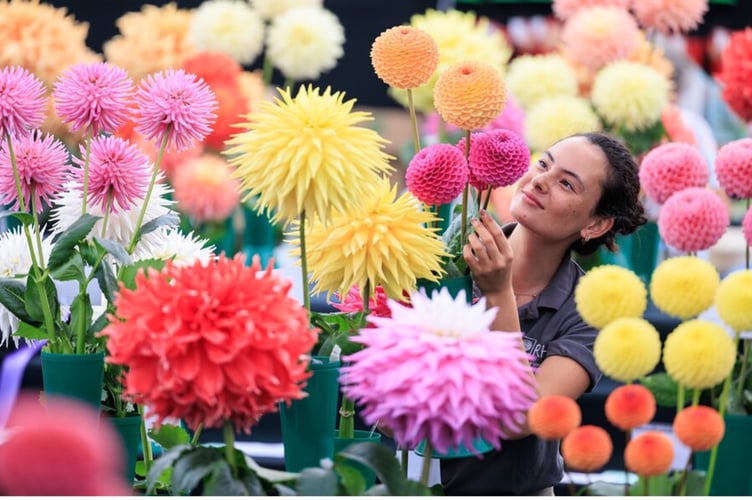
point(735, 75)
point(609, 292)
point(670, 16)
point(231, 27)
point(684, 286)
point(699, 354)
point(206, 189)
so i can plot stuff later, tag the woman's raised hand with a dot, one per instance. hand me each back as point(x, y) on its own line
point(489, 255)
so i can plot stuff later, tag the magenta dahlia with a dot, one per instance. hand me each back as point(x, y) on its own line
point(671, 167)
point(437, 174)
point(498, 158)
point(733, 168)
point(22, 101)
point(693, 219)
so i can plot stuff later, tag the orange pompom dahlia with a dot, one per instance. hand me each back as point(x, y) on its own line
point(404, 57)
point(699, 427)
point(649, 454)
point(470, 94)
point(554, 416)
point(630, 406)
point(587, 448)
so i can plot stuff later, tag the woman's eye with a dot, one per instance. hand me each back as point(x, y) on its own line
point(568, 185)
point(542, 164)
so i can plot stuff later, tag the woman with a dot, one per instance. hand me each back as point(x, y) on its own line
point(582, 192)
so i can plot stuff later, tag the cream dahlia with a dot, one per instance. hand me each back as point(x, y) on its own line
point(554, 118)
point(232, 27)
point(532, 78)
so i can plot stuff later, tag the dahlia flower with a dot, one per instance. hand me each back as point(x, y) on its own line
point(205, 188)
point(437, 174)
point(118, 173)
point(564, 9)
point(627, 349)
point(733, 300)
point(470, 94)
point(215, 68)
point(733, 168)
point(599, 35)
point(649, 454)
point(671, 167)
point(497, 158)
point(232, 27)
point(404, 57)
point(435, 371)
point(532, 78)
point(512, 117)
point(554, 416)
point(306, 154)
point(60, 447)
point(210, 343)
point(747, 227)
point(387, 241)
point(22, 101)
point(174, 108)
point(699, 354)
point(609, 292)
point(171, 244)
point(587, 448)
point(630, 95)
point(93, 95)
point(353, 302)
point(305, 42)
point(670, 16)
point(153, 39)
point(693, 219)
point(736, 74)
point(630, 406)
point(653, 56)
point(120, 226)
point(42, 164)
point(684, 286)
point(699, 427)
point(269, 9)
point(554, 118)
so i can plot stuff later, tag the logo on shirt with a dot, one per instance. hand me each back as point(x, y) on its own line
point(534, 349)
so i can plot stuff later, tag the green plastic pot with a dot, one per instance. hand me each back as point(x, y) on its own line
point(453, 285)
point(360, 436)
point(461, 452)
point(77, 376)
point(129, 430)
point(733, 465)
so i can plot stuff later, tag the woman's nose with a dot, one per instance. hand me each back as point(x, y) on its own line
point(540, 181)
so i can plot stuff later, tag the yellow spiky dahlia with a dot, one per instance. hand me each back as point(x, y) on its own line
point(555, 118)
point(470, 94)
point(609, 292)
point(684, 286)
point(733, 300)
point(404, 57)
point(307, 154)
point(627, 349)
point(388, 242)
point(699, 354)
point(532, 78)
point(630, 95)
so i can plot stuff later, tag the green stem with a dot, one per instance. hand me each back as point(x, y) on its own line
point(346, 418)
point(85, 187)
point(696, 397)
point(37, 228)
point(685, 474)
point(145, 443)
point(152, 181)
point(628, 436)
point(21, 199)
point(229, 435)
point(107, 210)
point(267, 71)
point(304, 264)
point(81, 333)
point(49, 323)
point(743, 370)
point(679, 398)
point(404, 459)
point(413, 120)
point(488, 198)
point(646, 486)
point(197, 434)
point(288, 85)
point(465, 192)
point(426, 466)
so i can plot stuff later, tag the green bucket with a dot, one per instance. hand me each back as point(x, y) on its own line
point(453, 285)
point(733, 464)
point(481, 445)
point(308, 424)
point(78, 376)
point(129, 430)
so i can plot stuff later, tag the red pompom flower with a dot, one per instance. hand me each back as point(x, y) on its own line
point(437, 174)
point(498, 158)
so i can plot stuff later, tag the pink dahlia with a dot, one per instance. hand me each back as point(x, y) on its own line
point(437, 174)
point(23, 103)
point(733, 168)
point(436, 371)
point(596, 36)
point(670, 16)
point(42, 167)
point(206, 189)
point(174, 108)
point(119, 173)
point(671, 167)
point(564, 9)
point(747, 227)
point(211, 343)
point(693, 219)
point(353, 302)
point(736, 73)
point(62, 448)
point(497, 158)
point(93, 95)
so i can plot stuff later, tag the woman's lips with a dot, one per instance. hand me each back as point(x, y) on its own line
point(532, 199)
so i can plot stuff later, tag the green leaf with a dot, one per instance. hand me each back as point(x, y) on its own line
point(107, 281)
point(696, 483)
point(12, 296)
point(32, 300)
point(664, 388)
point(381, 460)
point(352, 480)
point(98, 324)
point(222, 483)
point(30, 332)
point(81, 313)
point(169, 219)
point(162, 464)
point(128, 274)
point(24, 217)
point(64, 247)
point(70, 270)
point(192, 467)
point(169, 436)
point(271, 475)
point(317, 482)
point(115, 249)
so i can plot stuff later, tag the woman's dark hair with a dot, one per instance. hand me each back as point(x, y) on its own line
point(621, 193)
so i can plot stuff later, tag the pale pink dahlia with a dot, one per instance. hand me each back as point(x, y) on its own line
point(497, 158)
point(693, 219)
point(42, 168)
point(23, 103)
point(564, 9)
point(436, 371)
point(93, 95)
point(670, 16)
point(671, 167)
point(176, 107)
point(733, 168)
point(118, 173)
point(437, 174)
point(596, 36)
point(747, 227)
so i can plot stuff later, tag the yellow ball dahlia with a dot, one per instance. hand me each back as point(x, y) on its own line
point(733, 300)
point(470, 94)
point(532, 78)
point(630, 95)
point(388, 242)
point(684, 286)
point(627, 349)
point(555, 118)
point(610, 292)
point(307, 155)
point(699, 354)
point(404, 57)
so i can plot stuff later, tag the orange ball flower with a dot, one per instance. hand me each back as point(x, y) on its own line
point(404, 57)
point(630, 406)
point(554, 416)
point(649, 454)
point(470, 94)
point(587, 448)
point(699, 427)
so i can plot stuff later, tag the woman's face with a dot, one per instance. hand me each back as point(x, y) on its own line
point(557, 196)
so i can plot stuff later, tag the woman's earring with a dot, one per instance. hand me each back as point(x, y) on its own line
point(585, 238)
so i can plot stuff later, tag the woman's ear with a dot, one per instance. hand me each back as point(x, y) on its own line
point(597, 228)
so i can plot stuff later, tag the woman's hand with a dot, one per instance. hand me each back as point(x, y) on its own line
point(489, 256)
